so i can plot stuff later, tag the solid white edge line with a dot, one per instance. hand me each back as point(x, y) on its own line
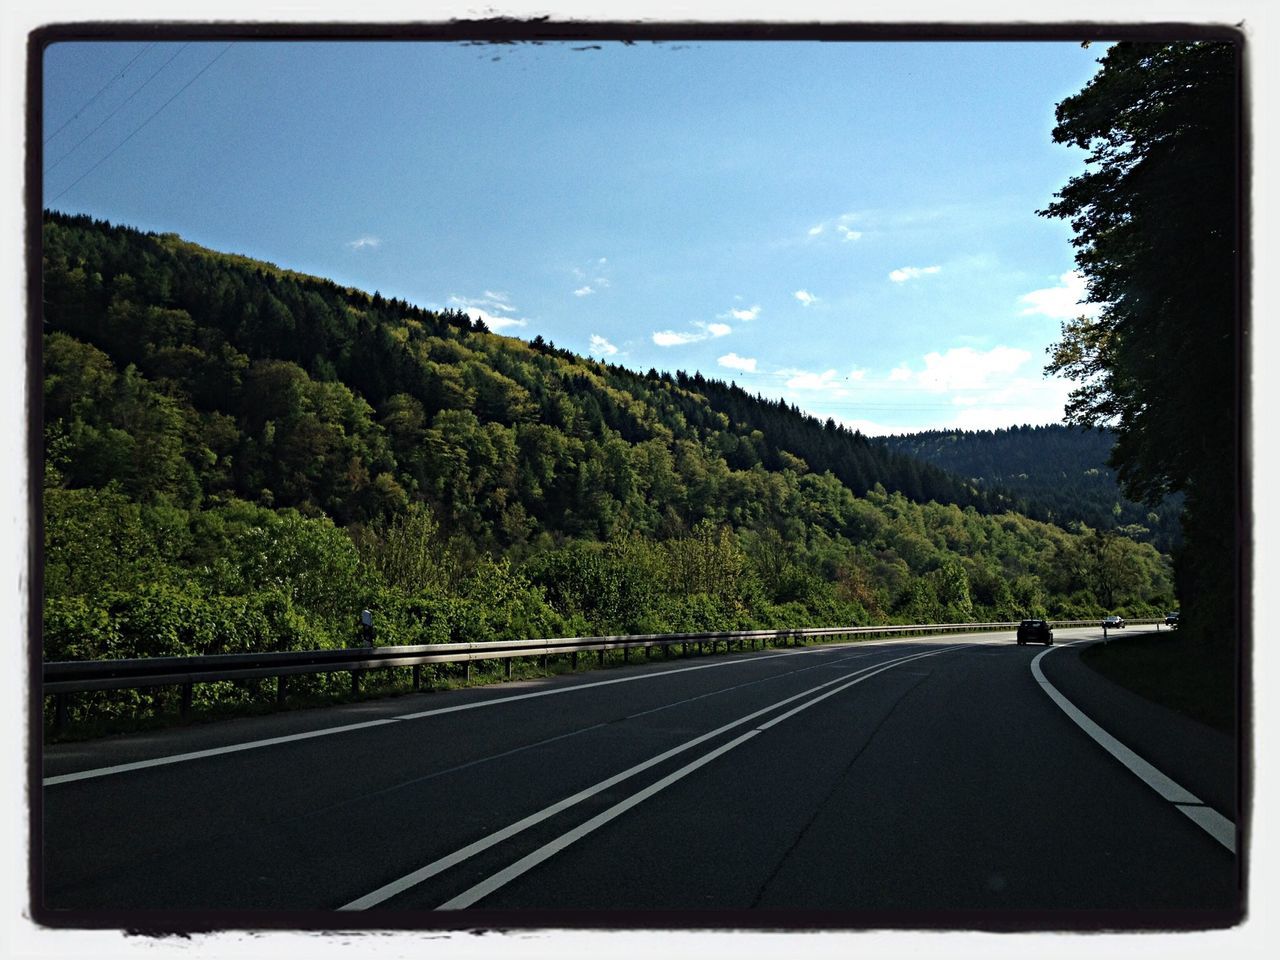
point(1168, 788)
point(347, 728)
point(496, 701)
point(211, 752)
point(399, 885)
point(1213, 823)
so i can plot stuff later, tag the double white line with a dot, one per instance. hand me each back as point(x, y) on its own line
point(501, 878)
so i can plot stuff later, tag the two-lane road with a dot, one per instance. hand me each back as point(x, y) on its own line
point(925, 776)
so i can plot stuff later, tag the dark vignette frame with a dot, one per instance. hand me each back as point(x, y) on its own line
point(538, 31)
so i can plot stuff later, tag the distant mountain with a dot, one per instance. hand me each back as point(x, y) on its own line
point(239, 457)
point(1054, 473)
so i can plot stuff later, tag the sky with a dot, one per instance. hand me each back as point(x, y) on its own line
point(298, 155)
point(849, 225)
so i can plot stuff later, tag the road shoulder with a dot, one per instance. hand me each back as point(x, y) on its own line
point(1200, 758)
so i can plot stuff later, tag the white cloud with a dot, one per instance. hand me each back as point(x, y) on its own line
point(870, 428)
point(805, 297)
point(367, 240)
point(804, 380)
point(840, 225)
point(964, 368)
point(1024, 400)
point(735, 362)
point(490, 301)
point(669, 338)
point(602, 346)
point(498, 301)
point(959, 388)
point(1062, 302)
point(592, 276)
point(904, 274)
point(745, 314)
point(494, 323)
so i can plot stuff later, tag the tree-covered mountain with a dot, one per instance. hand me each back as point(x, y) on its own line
point(240, 457)
point(1055, 473)
point(295, 392)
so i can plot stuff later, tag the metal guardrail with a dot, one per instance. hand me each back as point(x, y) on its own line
point(64, 677)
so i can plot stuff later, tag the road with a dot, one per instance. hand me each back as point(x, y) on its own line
point(921, 782)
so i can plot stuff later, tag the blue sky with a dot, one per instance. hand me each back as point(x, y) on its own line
point(849, 225)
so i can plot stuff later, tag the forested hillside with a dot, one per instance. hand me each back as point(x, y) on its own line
point(242, 457)
point(1055, 473)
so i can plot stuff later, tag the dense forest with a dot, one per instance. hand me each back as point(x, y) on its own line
point(240, 457)
point(1055, 473)
point(1156, 226)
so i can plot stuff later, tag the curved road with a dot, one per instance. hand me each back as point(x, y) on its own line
point(901, 783)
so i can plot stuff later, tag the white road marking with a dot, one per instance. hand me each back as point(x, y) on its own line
point(549, 850)
point(1212, 822)
point(364, 798)
point(389, 890)
point(212, 752)
point(347, 728)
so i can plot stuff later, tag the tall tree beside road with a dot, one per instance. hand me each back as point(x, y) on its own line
point(1157, 237)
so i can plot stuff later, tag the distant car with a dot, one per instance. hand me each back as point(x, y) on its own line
point(1113, 623)
point(1171, 618)
point(1035, 631)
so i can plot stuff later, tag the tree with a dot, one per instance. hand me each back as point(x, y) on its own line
point(1157, 239)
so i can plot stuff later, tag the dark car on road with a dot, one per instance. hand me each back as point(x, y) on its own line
point(1112, 623)
point(1035, 631)
point(1171, 618)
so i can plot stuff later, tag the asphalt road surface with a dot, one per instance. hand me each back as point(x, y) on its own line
point(930, 782)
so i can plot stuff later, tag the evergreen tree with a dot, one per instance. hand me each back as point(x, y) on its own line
point(1157, 237)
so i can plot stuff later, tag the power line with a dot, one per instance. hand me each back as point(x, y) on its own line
point(49, 169)
point(146, 121)
point(87, 103)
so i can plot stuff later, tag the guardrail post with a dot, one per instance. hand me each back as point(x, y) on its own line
point(466, 672)
point(626, 653)
point(186, 699)
point(575, 660)
point(59, 711)
point(355, 683)
point(666, 651)
point(417, 677)
point(601, 652)
point(509, 659)
point(282, 683)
